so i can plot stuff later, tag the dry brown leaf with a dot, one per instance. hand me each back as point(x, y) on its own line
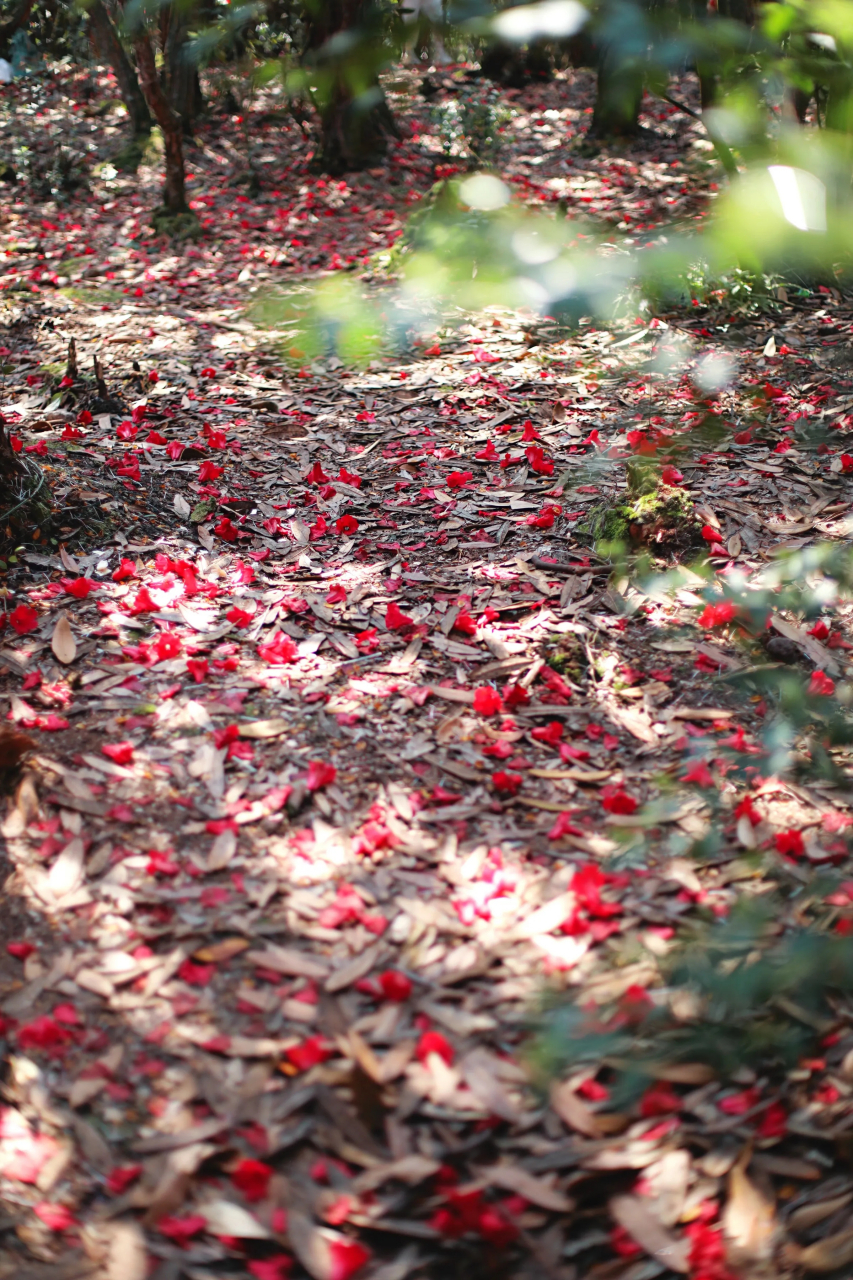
point(809, 1215)
point(827, 1255)
point(634, 1215)
point(225, 1218)
point(749, 1218)
point(127, 1256)
point(547, 917)
point(479, 1073)
point(573, 1111)
point(220, 951)
point(357, 968)
point(264, 728)
point(295, 964)
point(511, 1177)
point(62, 641)
point(410, 1169)
point(67, 872)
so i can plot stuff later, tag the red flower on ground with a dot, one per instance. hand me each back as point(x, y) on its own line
point(320, 774)
point(395, 986)
point(23, 619)
point(434, 1042)
point(310, 1053)
point(615, 800)
point(395, 619)
point(508, 784)
point(820, 685)
point(252, 1178)
point(487, 701)
point(717, 615)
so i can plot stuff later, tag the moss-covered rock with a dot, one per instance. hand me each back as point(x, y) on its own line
point(178, 226)
point(661, 517)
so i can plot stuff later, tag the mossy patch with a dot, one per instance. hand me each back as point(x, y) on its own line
point(662, 517)
point(130, 156)
point(177, 226)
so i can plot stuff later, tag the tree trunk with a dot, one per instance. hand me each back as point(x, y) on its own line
point(618, 98)
point(356, 126)
point(174, 193)
point(19, 19)
point(183, 88)
point(112, 51)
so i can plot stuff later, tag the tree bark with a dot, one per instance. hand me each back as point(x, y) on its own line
point(183, 88)
point(111, 49)
point(19, 19)
point(618, 97)
point(355, 126)
point(174, 192)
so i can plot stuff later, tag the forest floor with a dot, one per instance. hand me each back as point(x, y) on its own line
point(345, 749)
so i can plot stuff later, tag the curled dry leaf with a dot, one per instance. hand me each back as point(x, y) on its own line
point(749, 1218)
point(62, 641)
point(634, 1215)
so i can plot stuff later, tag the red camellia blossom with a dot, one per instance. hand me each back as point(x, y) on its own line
point(276, 1267)
point(659, 1100)
point(671, 475)
point(280, 648)
point(395, 985)
point(711, 534)
point(182, 1230)
point(126, 569)
point(118, 1180)
point(346, 1258)
point(507, 784)
point(790, 844)
point(78, 587)
point(252, 1178)
point(537, 461)
point(487, 701)
point(198, 669)
point(197, 975)
point(395, 619)
point(346, 524)
point(458, 479)
point(118, 752)
point(699, 774)
point(23, 619)
point(239, 617)
point(434, 1042)
point(545, 518)
point(551, 733)
point(167, 645)
point(310, 1053)
point(717, 615)
point(489, 454)
point(320, 774)
point(616, 800)
point(515, 695)
point(58, 1217)
point(42, 1033)
point(821, 685)
point(820, 630)
point(209, 471)
point(225, 530)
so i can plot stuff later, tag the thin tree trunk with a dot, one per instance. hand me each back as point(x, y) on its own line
point(618, 98)
point(355, 129)
point(183, 89)
point(174, 193)
point(111, 49)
